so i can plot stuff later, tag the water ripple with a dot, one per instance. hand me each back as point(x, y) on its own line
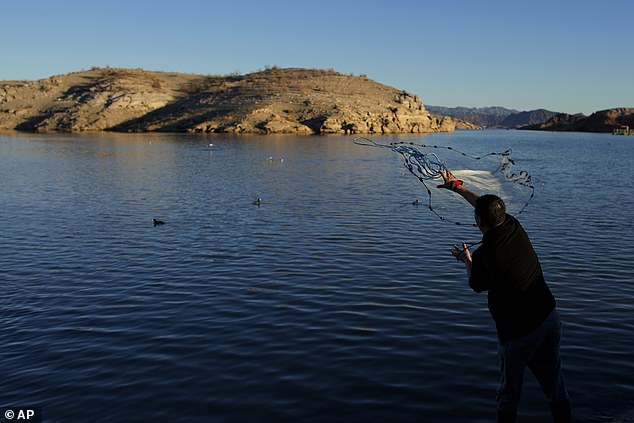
point(335, 300)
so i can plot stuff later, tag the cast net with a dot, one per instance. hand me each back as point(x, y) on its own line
point(490, 173)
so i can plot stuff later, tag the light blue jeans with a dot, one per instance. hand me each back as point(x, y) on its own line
point(539, 351)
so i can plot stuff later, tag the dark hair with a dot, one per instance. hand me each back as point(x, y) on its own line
point(491, 210)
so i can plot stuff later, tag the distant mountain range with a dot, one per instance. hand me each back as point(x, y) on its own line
point(494, 117)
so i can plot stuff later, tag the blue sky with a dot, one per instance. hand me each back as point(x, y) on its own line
point(569, 56)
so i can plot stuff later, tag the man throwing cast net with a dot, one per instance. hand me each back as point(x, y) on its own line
point(521, 304)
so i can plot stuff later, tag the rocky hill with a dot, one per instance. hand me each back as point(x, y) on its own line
point(292, 100)
point(531, 117)
point(601, 121)
point(559, 122)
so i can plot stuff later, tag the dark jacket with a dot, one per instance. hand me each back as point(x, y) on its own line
point(507, 266)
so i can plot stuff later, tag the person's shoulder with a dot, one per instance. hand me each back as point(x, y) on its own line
point(512, 221)
point(510, 218)
point(515, 227)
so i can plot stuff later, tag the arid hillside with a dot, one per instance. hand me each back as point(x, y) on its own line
point(601, 121)
point(295, 101)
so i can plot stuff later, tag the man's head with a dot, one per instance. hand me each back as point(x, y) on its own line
point(490, 211)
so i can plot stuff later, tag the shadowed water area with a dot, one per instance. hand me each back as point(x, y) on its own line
point(333, 300)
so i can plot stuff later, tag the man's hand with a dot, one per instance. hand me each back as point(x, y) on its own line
point(462, 254)
point(455, 185)
point(448, 179)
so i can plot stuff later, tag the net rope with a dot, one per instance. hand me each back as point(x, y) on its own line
point(427, 167)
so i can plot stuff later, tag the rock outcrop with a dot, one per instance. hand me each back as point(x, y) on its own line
point(274, 101)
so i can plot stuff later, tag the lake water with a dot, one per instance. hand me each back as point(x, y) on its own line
point(334, 300)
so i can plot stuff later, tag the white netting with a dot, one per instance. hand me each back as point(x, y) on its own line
point(492, 173)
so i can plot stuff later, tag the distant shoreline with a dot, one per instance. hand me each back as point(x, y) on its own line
point(610, 120)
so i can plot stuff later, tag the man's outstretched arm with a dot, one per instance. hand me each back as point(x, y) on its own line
point(455, 185)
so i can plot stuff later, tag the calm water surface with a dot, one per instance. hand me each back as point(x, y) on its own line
point(335, 300)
